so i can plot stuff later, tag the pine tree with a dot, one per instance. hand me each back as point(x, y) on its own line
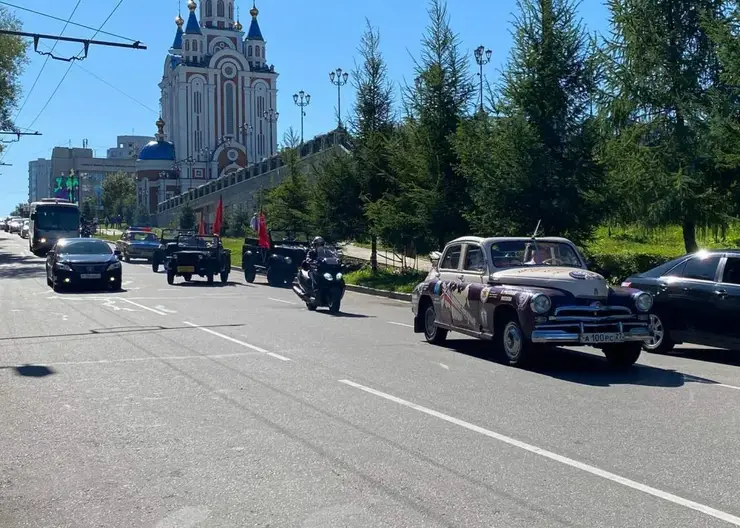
point(187, 216)
point(372, 127)
point(536, 161)
point(435, 105)
point(661, 67)
point(288, 204)
point(337, 207)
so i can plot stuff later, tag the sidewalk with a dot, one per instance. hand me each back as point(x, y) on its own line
point(386, 258)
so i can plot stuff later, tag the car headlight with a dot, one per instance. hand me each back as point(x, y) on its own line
point(288, 260)
point(540, 303)
point(643, 301)
point(43, 240)
point(63, 266)
point(328, 276)
point(114, 265)
point(339, 276)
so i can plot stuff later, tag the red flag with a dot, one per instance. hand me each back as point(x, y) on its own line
point(264, 239)
point(201, 226)
point(218, 223)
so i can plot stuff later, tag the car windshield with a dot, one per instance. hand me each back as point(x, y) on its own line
point(327, 252)
point(84, 247)
point(58, 218)
point(198, 241)
point(517, 253)
point(143, 237)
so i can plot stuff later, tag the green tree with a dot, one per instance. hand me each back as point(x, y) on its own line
point(119, 195)
point(538, 156)
point(19, 209)
point(372, 126)
point(661, 72)
point(337, 206)
point(288, 204)
point(88, 208)
point(435, 105)
point(187, 216)
point(12, 59)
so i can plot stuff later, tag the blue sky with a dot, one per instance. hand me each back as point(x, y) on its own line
point(305, 41)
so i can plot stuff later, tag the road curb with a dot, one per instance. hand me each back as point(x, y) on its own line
point(379, 293)
point(365, 290)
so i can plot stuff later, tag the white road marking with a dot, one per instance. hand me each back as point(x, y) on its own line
point(242, 343)
point(675, 499)
point(281, 300)
point(688, 377)
point(138, 359)
point(443, 366)
point(142, 306)
point(165, 310)
point(400, 324)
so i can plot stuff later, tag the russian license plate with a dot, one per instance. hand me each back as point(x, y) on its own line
point(602, 338)
point(185, 269)
point(90, 275)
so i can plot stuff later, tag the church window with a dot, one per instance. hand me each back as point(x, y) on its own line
point(249, 51)
point(195, 45)
point(230, 101)
point(220, 8)
point(231, 11)
point(257, 51)
point(209, 8)
point(187, 45)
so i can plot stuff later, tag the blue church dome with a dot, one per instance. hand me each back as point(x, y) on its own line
point(157, 150)
point(160, 149)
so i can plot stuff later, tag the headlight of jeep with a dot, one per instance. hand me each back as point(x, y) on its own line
point(339, 276)
point(288, 260)
point(114, 265)
point(328, 276)
point(42, 240)
point(540, 303)
point(643, 301)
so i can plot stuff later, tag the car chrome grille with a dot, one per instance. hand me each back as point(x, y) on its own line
point(593, 313)
point(89, 268)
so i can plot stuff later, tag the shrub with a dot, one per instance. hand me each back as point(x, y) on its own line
point(618, 266)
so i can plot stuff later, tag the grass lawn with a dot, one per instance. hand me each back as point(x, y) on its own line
point(386, 279)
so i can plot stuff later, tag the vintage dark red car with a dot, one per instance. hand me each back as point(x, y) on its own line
point(527, 293)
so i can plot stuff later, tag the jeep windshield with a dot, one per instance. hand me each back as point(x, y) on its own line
point(198, 242)
point(518, 253)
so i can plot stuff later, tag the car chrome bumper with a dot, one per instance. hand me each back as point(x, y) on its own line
point(564, 337)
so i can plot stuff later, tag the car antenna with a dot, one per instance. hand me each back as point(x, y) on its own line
point(536, 229)
point(534, 240)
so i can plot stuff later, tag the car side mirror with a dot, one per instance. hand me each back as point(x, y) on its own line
point(33, 216)
point(434, 257)
point(117, 252)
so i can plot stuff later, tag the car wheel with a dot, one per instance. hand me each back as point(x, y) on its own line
point(155, 265)
point(311, 306)
point(662, 342)
point(519, 351)
point(250, 274)
point(187, 276)
point(115, 285)
point(56, 285)
point(273, 278)
point(49, 282)
point(170, 277)
point(433, 334)
point(209, 278)
point(623, 355)
point(224, 277)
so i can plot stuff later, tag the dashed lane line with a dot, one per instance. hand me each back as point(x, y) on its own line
point(613, 477)
point(237, 341)
point(158, 312)
point(401, 324)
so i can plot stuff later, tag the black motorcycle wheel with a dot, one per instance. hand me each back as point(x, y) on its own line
point(155, 265)
point(209, 278)
point(311, 306)
point(224, 277)
point(250, 274)
point(335, 301)
point(170, 277)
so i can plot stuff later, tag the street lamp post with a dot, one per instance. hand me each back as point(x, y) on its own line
point(482, 57)
point(272, 116)
point(339, 78)
point(302, 100)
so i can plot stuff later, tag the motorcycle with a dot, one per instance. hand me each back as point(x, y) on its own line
point(85, 231)
point(322, 282)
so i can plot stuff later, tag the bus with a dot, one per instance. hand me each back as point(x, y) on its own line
point(51, 220)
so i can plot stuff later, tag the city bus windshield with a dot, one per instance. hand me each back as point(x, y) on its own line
point(57, 218)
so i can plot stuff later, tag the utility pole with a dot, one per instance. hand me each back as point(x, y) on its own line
point(85, 42)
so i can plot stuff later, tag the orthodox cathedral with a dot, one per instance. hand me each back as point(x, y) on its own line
point(218, 104)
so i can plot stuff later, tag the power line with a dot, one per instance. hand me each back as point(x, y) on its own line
point(68, 22)
point(28, 95)
point(48, 101)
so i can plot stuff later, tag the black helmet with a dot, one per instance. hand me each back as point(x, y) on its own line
point(317, 242)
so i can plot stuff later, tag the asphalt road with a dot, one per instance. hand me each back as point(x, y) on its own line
point(233, 406)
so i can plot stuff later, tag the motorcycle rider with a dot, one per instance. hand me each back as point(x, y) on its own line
point(312, 256)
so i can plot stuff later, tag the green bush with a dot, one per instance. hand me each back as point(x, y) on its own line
point(618, 266)
point(386, 279)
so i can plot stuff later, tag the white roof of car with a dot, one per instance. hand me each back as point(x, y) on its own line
point(491, 240)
